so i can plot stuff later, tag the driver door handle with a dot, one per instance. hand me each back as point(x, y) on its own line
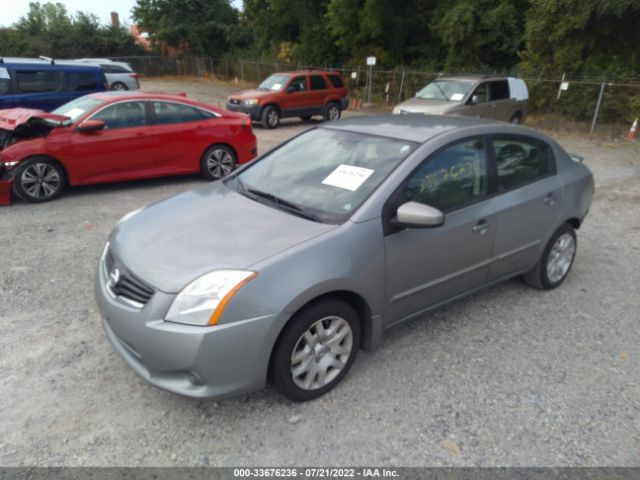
point(481, 227)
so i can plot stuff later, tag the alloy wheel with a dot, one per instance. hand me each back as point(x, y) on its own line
point(321, 353)
point(333, 113)
point(40, 181)
point(560, 257)
point(272, 118)
point(220, 163)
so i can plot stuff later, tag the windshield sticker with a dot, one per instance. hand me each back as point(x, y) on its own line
point(456, 97)
point(74, 112)
point(348, 177)
point(4, 73)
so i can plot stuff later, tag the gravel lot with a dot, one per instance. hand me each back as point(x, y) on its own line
point(510, 376)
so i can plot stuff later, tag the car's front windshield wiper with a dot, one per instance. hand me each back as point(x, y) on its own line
point(442, 92)
point(281, 202)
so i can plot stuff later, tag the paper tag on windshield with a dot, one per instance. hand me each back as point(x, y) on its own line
point(348, 177)
point(73, 112)
point(456, 97)
point(4, 73)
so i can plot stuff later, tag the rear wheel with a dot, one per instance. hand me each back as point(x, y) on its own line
point(516, 119)
point(217, 162)
point(39, 180)
point(316, 350)
point(119, 86)
point(332, 112)
point(556, 261)
point(270, 117)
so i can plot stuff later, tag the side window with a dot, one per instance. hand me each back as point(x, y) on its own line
point(318, 83)
point(5, 81)
point(452, 178)
point(81, 81)
point(106, 68)
point(336, 81)
point(298, 84)
point(482, 91)
point(520, 161)
point(168, 112)
point(39, 81)
point(499, 90)
point(122, 115)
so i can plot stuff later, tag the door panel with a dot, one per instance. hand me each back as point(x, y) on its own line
point(481, 108)
point(430, 265)
point(296, 102)
point(123, 150)
point(531, 199)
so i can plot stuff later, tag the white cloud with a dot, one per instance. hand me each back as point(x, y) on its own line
point(12, 10)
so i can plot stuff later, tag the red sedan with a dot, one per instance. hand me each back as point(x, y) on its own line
point(114, 136)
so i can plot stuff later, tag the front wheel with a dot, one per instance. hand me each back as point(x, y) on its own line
point(556, 261)
point(316, 350)
point(332, 112)
point(39, 180)
point(516, 119)
point(270, 117)
point(217, 162)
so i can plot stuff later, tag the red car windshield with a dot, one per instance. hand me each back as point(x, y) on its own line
point(78, 107)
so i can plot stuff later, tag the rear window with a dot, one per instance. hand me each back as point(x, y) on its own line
point(318, 83)
point(34, 81)
point(167, 112)
point(81, 81)
point(520, 160)
point(499, 90)
point(336, 81)
point(114, 69)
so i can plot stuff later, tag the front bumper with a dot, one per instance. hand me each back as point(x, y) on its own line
point(253, 111)
point(201, 362)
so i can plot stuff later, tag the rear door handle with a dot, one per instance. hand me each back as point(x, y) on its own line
point(481, 227)
point(549, 200)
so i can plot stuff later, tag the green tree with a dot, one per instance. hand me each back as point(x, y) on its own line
point(202, 27)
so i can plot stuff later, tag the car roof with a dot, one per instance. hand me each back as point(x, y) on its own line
point(307, 71)
point(46, 62)
point(113, 96)
point(411, 127)
point(473, 78)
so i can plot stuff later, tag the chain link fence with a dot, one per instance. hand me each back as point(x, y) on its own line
point(581, 100)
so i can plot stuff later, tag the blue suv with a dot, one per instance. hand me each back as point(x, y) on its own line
point(45, 84)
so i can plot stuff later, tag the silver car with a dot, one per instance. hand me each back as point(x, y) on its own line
point(289, 266)
point(120, 75)
point(498, 98)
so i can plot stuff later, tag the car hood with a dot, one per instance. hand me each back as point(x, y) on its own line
point(422, 105)
point(13, 117)
point(252, 93)
point(173, 242)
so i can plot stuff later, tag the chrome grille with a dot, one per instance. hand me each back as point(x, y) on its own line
point(123, 284)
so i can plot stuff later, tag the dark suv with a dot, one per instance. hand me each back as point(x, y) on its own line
point(302, 93)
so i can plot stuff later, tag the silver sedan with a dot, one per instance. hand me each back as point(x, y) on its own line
point(289, 266)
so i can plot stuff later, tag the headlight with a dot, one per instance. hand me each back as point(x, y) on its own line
point(250, 102)
point(129, 215)
point(203, 300)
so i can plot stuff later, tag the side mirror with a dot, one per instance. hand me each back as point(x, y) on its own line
point(418, 215)
point(91, 126)
point(475, 99)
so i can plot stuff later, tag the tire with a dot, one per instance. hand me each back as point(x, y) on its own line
point(516, 119)
point(39, 180)
point(217, 162)
point(270, 117)
point(331, 112)
point(119, 86)
point(305, 118)
point(317, 329)
point(556, 261)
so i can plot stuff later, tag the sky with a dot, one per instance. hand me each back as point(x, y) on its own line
point(12, 10)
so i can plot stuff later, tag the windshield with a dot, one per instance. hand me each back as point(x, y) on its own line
point(274, 82)
point(78, 107)
point(449, 90)
point(323, 174)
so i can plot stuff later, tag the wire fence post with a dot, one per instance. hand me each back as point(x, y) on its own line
point(401, 86)
point(595, 114)
point(242, 70)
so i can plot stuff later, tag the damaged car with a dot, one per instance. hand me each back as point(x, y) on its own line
point(116, 136)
